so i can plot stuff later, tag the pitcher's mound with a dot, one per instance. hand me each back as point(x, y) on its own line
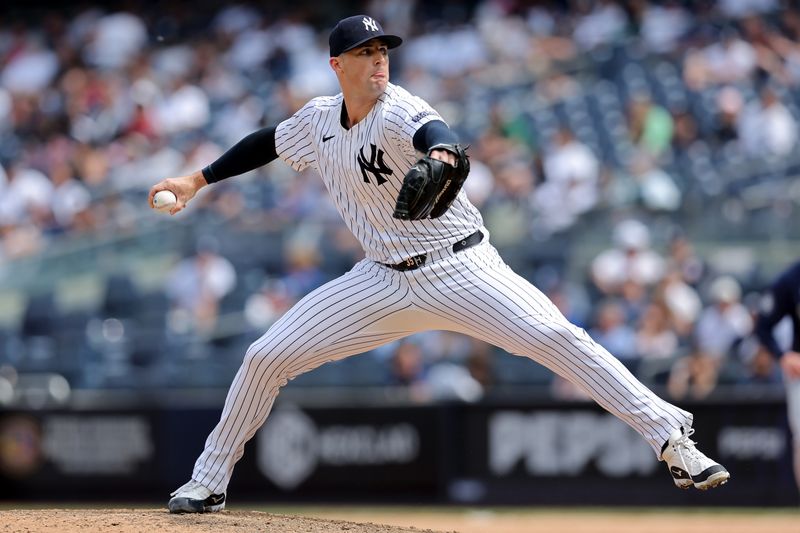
point(148, 520)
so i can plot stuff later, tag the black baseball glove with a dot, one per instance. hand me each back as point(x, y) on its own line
point(430, 187)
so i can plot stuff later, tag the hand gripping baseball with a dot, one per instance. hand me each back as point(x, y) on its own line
point(431, 185)
point(184, 188)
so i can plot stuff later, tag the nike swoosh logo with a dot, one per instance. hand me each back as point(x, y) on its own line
point(679, 473)
point(326, 139)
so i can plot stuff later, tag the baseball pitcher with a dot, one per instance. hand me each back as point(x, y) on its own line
point(394, 170)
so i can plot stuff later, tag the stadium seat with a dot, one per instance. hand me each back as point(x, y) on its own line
point(122, 298)
point(516, 370)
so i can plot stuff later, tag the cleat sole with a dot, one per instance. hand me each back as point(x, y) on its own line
point(188, 505)
point(714, 480)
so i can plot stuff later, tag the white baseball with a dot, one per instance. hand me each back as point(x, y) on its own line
point(164, 200)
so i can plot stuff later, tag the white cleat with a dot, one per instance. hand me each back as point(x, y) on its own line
point(195, 498)
point(689, 466)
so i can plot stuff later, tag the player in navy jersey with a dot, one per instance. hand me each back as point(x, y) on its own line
point(418, 275)
point(782, 301)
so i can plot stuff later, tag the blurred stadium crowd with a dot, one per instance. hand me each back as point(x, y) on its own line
point(624, 155)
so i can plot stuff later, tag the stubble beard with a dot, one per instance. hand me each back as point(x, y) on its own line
point(379, 86)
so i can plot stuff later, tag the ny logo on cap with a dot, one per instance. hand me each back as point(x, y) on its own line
point(370, 24)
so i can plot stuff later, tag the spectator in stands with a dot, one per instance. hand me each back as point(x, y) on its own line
point(652, 187)
point(71, 199)
point(684, 258)
point(681, 301)
point(407, 368)
point(634, 298)
point(662, 25)
point(766, 127)
point(303, 272)
point(686, 130)
point(693, 375)
point(196, 285)
point(744, 8)
point(569, 297)
point(439, 365)
point(655, 338)
point(407, 365)
point(480, 184)
point(725, 321)
point(721, 325)
point(631, 259)
point(268, 304)
point(451, 381)
point(571, 173)
point(612, 332)
point(598, 23)
point(508, 210)
point(24, 211)
point(114, 40)
point(764, 38)
point(650, 125)
point(185, 108)
point(727, 61)
point(480, 364)
point(30, 66)
point(785, 44)
point(730, 103)
point(762, 368)
point(27, 196)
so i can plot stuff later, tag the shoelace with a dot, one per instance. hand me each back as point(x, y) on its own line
point(685, 443)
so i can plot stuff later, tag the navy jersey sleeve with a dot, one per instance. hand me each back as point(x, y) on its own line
point(433, 133)
point(775, 305)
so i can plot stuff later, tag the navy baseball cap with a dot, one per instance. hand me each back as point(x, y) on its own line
point(355, 31)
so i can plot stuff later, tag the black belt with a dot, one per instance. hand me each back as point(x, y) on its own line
point(417, 261)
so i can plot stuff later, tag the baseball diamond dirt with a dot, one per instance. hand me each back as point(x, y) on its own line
point(149, 520)
point(401, 520)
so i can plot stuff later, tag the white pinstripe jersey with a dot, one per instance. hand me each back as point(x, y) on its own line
point(363, 169)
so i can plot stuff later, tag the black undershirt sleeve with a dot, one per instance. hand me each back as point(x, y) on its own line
point(433, 133)
point(255, 150)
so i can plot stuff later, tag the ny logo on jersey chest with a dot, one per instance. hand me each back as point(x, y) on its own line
point(375, 165)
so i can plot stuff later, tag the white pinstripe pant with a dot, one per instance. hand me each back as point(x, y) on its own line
point(472, 292)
